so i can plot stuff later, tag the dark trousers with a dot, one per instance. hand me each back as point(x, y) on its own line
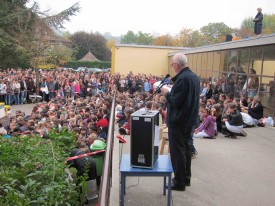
point(52, 95)
point(180, 152)
point(226, 131)
point(258, 28)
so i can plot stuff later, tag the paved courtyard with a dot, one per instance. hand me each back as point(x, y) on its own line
point(226, 172)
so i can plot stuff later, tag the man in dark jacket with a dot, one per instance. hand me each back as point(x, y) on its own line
point(182, 112)
point(51, 88)
point(44, 91)
point(30, 87)
point(209, 91)
point(258, 20)
point(23, 88)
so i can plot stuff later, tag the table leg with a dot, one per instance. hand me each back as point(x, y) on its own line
point(163, 142)
point(164, 185)
point(122, 190)
point(169, 190)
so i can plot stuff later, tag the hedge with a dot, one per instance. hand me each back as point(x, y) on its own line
point(32, 171)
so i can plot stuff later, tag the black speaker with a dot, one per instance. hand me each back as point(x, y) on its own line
point(144, 138)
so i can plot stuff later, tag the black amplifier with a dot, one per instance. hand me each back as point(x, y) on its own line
point(144, 138)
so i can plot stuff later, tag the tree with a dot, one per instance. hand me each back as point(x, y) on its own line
point(55, 56)
point(190, 38)
point(26, 32)
point(84, 42)
point(184, 37)
point(197, 39)
point(164, 40)
point(15, 30)
point(215, 32)
point(129, 38)
point(80, 41)
point(140, 38)
point(144, 38)
point(99, 47)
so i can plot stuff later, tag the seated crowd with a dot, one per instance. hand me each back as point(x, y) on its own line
point(81, 102)
point(78, 101)
point(228, 115)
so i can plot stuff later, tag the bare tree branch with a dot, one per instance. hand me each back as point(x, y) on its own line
point(57, 21)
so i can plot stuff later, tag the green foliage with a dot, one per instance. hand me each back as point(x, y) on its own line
point(144, 38)
point(215, 32)
point(129, 38)
point(13, 56)
point(76, 64)
point(15, 30)
point(55, 56)
point(84, 42)
point(248, 23)
point(33, 171)
point(190, 38)
point(197, 39)
point(140, 38)
point(209, 34)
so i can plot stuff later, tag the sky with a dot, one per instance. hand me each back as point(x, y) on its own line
point(157, 17)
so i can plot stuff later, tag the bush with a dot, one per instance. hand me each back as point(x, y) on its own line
point(33, 171)
point(76, 64)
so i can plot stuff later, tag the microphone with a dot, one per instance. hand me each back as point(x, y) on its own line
point(166, 77)
point(161, 84)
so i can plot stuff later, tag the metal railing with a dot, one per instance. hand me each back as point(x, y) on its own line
point(106, 183)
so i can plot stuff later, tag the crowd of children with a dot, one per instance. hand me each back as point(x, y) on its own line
point(87, 114)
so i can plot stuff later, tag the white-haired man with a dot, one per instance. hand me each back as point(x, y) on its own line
point(182, 112)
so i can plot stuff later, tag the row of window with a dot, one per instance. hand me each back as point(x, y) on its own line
point(233, 67)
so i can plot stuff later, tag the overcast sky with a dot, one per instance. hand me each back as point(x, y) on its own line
point(155, 16)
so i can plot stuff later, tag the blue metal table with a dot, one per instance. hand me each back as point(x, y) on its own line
point(162, 167)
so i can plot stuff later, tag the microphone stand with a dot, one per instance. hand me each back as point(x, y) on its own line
point(151, 96)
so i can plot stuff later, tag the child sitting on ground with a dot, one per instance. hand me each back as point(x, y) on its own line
point(207, 127)
point(208, 105)
point(125, 129)
point(233, 122)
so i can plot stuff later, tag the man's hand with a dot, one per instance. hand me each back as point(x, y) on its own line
point(164, 90)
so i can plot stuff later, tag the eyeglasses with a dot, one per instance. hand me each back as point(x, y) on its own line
point(173, 64)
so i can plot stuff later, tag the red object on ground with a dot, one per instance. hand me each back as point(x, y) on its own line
point(121, 139)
